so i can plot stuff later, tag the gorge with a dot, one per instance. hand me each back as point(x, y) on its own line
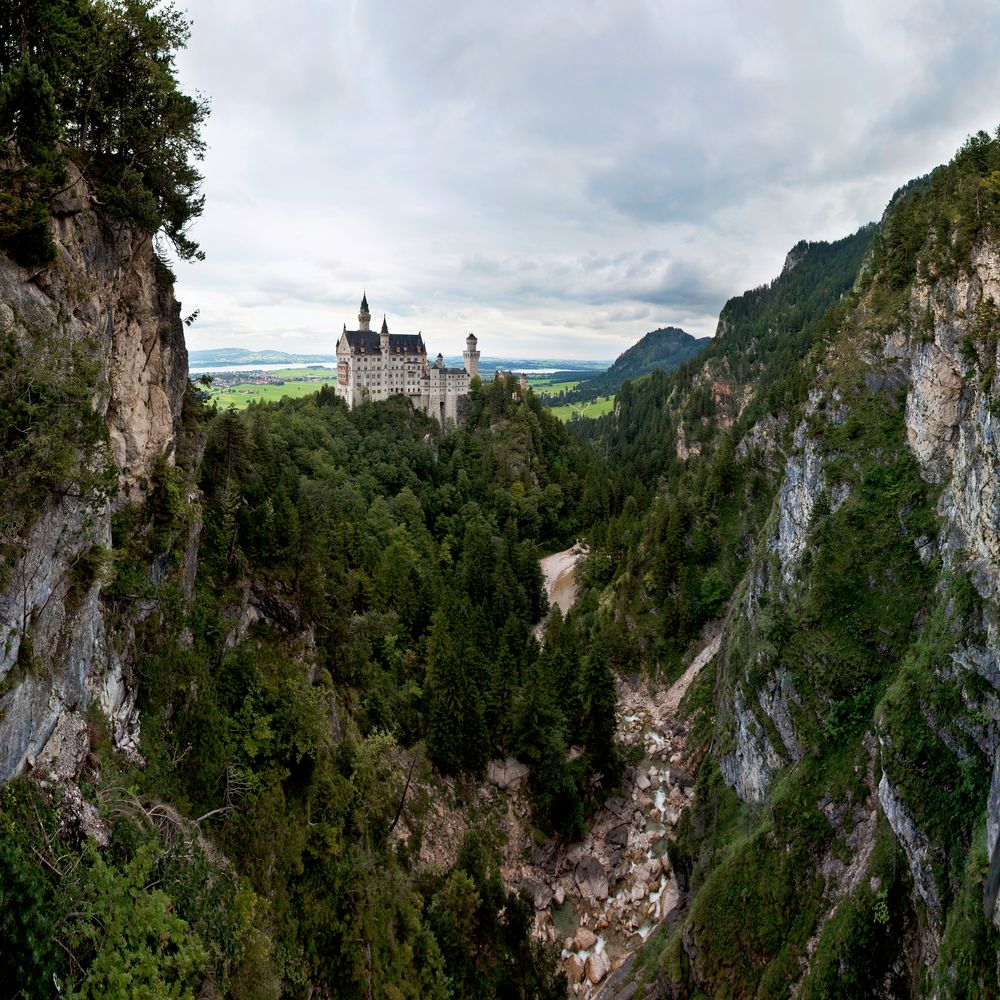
point(293, 703)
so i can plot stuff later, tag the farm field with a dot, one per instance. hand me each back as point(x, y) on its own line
point(595, 408)
point(551, 383)
point(295, 382)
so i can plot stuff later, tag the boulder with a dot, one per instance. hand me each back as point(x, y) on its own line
point(597, 967)
point(506, 773)
point(540, 893)
point(585, 939)
point(639, 891)
point(574, 970)
point(591, 879)
point(618, 835)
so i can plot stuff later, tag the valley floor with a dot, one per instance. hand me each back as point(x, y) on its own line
point(597, 899)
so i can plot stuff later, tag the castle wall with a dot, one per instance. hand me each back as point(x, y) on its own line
point(379, 372)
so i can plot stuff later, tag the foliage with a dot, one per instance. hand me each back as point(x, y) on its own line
point(52, 441)
point(95, 81)
point(663, 349)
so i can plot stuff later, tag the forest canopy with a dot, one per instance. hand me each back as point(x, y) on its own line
point(94, 81)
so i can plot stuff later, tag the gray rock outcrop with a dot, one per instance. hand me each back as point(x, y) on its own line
point(107, 293)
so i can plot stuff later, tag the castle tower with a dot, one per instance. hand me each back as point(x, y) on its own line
point(364, 317)
point(384, 336)
point(471, 356)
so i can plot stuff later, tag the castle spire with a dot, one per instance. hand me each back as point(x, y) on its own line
point(364, 317)
point(385, 326)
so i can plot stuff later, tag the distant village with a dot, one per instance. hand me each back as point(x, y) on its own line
point(258, 377)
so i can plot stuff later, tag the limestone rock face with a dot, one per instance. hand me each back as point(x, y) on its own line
point(108, 294)
point(752, 761)
point(940, 370)
point(802, 485)
point(914, 843)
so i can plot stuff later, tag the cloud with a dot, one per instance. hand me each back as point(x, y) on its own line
point(556, 173)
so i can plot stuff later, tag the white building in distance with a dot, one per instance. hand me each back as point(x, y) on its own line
point(379, 365)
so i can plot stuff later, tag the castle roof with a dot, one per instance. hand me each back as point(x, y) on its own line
point(369, 342)
point(364, 302)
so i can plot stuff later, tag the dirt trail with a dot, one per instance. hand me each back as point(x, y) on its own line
point(681, 685)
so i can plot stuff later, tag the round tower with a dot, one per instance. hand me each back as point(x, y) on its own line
point(471, 356)
point(364, 317)
point(384, 336)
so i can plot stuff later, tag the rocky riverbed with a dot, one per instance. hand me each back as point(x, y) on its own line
point(600, 898)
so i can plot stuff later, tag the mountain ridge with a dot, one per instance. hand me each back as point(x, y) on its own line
point(661, 349)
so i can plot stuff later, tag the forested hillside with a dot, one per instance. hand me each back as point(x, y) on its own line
point(689, 490)
point(350, 602)
point(844, 818)
point(250, 662)
point(659, 350)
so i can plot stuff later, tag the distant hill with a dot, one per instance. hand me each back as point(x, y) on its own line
point(241, 356)
point(665, 348)
point(487, 364)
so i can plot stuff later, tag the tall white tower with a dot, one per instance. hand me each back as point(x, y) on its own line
point(364, 317)
point(471, 356)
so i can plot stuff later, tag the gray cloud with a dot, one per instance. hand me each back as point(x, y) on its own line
point(560, 173)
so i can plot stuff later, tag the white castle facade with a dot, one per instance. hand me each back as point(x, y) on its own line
point(379, 365)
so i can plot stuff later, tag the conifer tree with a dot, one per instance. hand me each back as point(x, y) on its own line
point(456, 735)
point(598, 702)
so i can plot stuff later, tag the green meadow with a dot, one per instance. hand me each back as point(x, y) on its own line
point(298, 382)
point(303, 381)
point(594, 408)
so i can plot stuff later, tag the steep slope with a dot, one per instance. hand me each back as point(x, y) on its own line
point(94, 372)
point(845, 814)
point(662, 349)
point(694, 458)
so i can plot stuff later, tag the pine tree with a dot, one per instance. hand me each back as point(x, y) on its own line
point(599, 703)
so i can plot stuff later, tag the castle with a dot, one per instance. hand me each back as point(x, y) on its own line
point(377, 366)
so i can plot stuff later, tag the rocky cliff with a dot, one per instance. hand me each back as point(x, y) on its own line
point(857, 698)
point(95, 356)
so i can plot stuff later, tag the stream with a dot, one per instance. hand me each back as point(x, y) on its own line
point(600, 898)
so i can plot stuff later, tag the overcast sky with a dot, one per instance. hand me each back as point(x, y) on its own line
point(558, 177)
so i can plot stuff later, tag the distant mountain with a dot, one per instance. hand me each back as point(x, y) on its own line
point(241, 356)
point(665, 349)
point(487, 364)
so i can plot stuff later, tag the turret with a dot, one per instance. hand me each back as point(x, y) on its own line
point(439, 361)
point(471, 356)
point(364, 317)
point(384, 336)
